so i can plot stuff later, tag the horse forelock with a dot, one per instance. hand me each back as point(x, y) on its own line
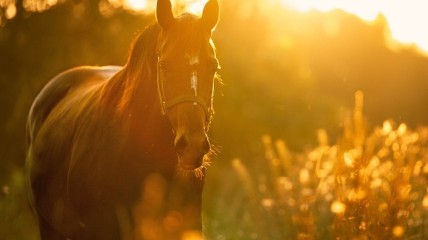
point(187, 35)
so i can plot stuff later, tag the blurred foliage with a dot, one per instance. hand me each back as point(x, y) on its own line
point(286, 74)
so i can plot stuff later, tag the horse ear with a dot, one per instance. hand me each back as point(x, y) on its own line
point(210, 14)
point(164, 14)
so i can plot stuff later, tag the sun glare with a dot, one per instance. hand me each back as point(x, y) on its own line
point(192, 6)
point(196, 7)
point(366, 9)
point(405, 18)
point(137, 5)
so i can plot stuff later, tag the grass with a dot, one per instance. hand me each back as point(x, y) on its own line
point(368, 185)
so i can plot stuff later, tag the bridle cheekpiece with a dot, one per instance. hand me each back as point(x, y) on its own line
point(166, 104)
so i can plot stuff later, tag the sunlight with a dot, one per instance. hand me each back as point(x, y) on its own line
point(10, 11)
point(366, 9)
point(196, 7)
point(136, 5)
point(192, 6)
point(405, 18)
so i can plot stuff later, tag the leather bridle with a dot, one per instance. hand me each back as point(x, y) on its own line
point(195, 99)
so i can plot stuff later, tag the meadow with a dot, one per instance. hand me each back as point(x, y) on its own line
point(370, 184)
point(293, 163)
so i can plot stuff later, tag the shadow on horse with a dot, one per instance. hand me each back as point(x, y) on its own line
point(120, 152)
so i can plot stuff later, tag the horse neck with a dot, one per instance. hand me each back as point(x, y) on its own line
point(133, 89)
point(132, 92)
point(131, 95)
point(148, 129)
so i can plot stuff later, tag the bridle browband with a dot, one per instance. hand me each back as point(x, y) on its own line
point(167, 104)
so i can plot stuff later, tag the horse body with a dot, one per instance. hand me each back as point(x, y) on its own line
point(77, 152)
point(54, 121)
point(102, 158)
point(89, 166)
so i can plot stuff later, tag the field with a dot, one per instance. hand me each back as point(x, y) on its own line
point(301, 156)
point(367, 185)
point(370, 184)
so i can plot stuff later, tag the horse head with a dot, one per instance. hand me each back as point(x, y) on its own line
point(186, 71)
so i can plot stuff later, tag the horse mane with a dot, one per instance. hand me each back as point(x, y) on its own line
point(119, 91)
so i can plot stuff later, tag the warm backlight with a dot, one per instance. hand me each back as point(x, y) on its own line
point(136, 4)
point(406, 18)
point(193, 6)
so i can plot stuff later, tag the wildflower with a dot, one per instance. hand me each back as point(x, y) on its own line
point(284, 183)
point(267, 203)
point(356, 195)
point(338, 207)
point(386, 127)
point(401, 130)
point(425, 202)
point(304, 176)
point(398, 231)
point(348, 159)
point(192, 235)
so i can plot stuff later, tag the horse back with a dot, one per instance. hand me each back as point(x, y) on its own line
point(57, 89)
point(50, 129)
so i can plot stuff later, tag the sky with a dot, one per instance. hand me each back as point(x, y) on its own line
point(405, 18)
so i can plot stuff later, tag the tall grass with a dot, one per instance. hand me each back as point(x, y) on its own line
point(368, 185)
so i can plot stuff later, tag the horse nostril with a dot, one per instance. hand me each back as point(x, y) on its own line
point(180, 145)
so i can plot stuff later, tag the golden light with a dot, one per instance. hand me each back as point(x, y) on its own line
point(356, 195)
point(192, 235)
point(304, 176)
point(196, 6)
point(338, 208)
point(398, 231)
point(425, 202)
point(387, 127)
point(192, 6)
point(348, 158)
point(405, 18)
point(136, 5)
point(10, 11)
point(365, 9)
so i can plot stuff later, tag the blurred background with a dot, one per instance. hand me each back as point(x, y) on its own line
point(290, 71)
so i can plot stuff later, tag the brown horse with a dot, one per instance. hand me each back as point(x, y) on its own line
point(120, 152)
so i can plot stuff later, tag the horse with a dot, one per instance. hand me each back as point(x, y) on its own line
point(121, 152)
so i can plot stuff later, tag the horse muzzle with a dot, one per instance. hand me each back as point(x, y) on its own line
point(191, 149)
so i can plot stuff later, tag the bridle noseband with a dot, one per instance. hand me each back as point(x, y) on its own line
point(195, 99)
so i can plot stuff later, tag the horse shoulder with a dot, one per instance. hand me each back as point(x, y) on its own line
point(50, 127)
point(61, 85)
